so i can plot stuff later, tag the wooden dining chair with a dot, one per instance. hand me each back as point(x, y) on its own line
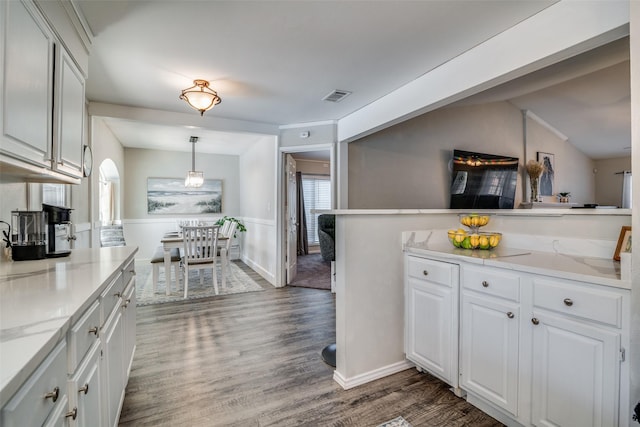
point(199, 243)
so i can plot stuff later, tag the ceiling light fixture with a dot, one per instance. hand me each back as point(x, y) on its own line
point(200, 96)
point(194, 178)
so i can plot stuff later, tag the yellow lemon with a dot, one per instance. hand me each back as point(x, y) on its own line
point(451, 233)
point(459, 237)
point(484, 242)
point(474, 240)
point(494, 240)
point(461, 231)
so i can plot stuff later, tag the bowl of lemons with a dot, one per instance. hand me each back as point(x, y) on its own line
point(474, 240)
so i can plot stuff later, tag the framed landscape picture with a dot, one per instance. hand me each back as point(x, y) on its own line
point(170, 196)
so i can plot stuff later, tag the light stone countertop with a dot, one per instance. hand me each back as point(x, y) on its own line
point(40, 300)
point(581, 267)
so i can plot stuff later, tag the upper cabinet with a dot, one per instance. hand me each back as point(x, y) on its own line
point(42, 93)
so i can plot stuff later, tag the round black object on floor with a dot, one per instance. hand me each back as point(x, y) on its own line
point(329, 355)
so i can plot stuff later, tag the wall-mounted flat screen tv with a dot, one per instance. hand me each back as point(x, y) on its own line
point(483, 181)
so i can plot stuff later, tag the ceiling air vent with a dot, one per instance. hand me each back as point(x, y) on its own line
point(337, 95)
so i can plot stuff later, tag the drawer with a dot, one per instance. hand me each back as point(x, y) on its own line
point(128, 272)
point(110, 298)
point(82, 335)
point(491, 281)
point(431, 271)
point(578, 300)
point(30, 406)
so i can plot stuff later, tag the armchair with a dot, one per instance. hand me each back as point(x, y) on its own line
point(326, 236)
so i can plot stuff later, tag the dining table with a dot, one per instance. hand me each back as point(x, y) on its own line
point(173, 239)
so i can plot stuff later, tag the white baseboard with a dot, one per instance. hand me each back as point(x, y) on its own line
point(269, 277)
point(376, 374)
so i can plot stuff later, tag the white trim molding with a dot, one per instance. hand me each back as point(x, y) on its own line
point(376, 374)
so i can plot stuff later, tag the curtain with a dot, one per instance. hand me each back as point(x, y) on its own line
point(626, 190)
point(303, 246)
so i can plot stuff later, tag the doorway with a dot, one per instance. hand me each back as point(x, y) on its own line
point(312, 168)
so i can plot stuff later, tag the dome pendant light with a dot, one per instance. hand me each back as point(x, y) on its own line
point(194, 178)
point(200, 96)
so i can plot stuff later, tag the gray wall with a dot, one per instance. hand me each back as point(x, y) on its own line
point(406, 166)
point(608, 182)
point(141, 164)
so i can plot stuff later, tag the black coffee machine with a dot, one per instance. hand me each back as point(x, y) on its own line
point(57, 215)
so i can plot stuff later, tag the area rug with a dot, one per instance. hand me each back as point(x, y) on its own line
point(312, 272)
point(396, 422)
point(237, 283)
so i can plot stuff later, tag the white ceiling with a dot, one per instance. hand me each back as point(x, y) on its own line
point(273, 61)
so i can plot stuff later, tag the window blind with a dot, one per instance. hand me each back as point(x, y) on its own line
point(317, 195)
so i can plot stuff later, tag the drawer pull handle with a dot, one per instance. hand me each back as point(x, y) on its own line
point(53, 395)
point(568, 302)
point(84, 389)
point(73, 414)
point(485, 283)
point(425, 273)
point(535, 321)
point(133, 272)
point(117, 295)
point(94, 331)
point(126, 303)
point(510, 315)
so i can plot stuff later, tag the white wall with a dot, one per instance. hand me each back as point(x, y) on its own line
point(258, 207)
point(313, 167)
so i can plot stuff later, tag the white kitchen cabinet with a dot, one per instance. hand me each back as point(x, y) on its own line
point(576, 355)
point(68, 129)
point(129, 325)
point(489, 349)
point(85, 391)
point(431, 302)
point(490, 317)
point(43, 99)
point(113, 368)
point(28, 84)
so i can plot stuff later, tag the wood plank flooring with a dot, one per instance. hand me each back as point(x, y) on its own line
point(254, 360)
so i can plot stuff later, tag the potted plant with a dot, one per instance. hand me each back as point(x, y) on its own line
point(564, 197)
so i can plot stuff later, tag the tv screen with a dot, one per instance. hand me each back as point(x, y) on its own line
point(483, 181)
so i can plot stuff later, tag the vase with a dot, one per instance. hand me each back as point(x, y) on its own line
point(535, 197)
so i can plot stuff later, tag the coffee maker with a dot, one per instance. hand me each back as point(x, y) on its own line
point(28, 236)
point(57, 216)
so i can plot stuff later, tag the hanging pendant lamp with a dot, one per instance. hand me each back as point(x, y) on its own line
point(194, 178)
point(200, 96)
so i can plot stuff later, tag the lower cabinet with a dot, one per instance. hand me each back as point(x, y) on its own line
point(82, 381)
point(489, 349)
point(431, 317)
point(534, 350)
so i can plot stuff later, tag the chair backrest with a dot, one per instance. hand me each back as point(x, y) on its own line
point(224, 229)
point(112, 235)
point(229, 235)
point(199, 243)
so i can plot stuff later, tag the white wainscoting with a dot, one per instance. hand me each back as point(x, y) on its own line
point(257, 245)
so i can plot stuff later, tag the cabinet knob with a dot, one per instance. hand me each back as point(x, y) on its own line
point(126, 303)
point(568, 302)
point(133, 272)
point(117, 295)
point(84, 389)
point(73, 414)
point(510, 315)
point(485, 283)
point(425, 273)
point(53, 395)
point(535, 321)
point(94, 330)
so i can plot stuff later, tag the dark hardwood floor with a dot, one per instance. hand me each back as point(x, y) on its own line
point(253, 359)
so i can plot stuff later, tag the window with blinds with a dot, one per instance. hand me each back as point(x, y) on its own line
point(317, 195)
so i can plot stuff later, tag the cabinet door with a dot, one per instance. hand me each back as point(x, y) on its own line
point(431, 330)
point(28, 84)
point(575, 373)
point(69, 115)
point(489, 349)
point(86, 390)
point(129, 313)
point(113, 368)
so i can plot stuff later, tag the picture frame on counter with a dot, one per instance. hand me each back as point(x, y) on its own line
point(624, 242)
